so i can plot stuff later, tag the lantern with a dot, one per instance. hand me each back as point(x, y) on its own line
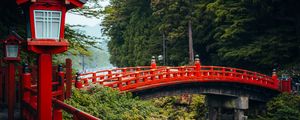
point(46, 21)
point(12, 47)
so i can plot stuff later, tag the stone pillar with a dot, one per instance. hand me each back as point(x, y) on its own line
point(212, 113)
point(215, 104)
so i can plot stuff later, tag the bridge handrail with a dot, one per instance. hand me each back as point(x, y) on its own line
point(76, 113)
point(202, 73)
point(119, 70)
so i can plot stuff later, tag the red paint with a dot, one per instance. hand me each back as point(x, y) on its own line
point(45, 87)
point(57, 112)
point(286, 86)
point(74, 111)
point(11, 91)
point(26, 83)
point(153, 65)
point(1, 83)
point(49, 46)
point(163, 76)
point(94, 79)
point(12, 39)
point(43, 6)
point(68, 77)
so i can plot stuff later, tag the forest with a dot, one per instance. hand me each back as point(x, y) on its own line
point(258, 35)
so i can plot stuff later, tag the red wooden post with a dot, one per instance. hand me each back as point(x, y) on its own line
point(138, 69)
point(86, 82)
point(109, 73)
point(152, 73)
point(124, 71)
point(153, 63)
point(198, 65)
point(26, 83)
point(120, 82)
point(1, 84)
point(57, 112)
point(11, 90)
point(137, 76)
point(168, 73)
point(45, 87)
point(68, 78)
point(275, 79)
point(78, 83)
point(5, 70)
point(94, 77)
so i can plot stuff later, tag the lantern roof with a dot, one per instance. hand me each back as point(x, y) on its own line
point(13, 37)
point(69, 3)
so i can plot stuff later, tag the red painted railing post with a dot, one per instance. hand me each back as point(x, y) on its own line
point(11, 98)
point(120, 83)
point(57, 112)
point(109, 74)
point(138, 69)
point(94, 77)
point(45, 87)
point(182, 71)
point(198, 65)
point(78, 83)
point(1, 84)
point(124, 71)
point(26, 95)
point(168, 73)
point(275, 79)
point(153, 63)
point(152, 73)
point(68, 77)
point(137, 76)
point(86, 82)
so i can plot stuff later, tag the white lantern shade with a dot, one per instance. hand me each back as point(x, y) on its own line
point(12, 51)
point(160, 57)
point(47, 24)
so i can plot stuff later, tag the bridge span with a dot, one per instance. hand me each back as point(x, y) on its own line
point(224, 86)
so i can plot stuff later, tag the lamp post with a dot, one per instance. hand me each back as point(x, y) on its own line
point(46, 21)
point(12, 55)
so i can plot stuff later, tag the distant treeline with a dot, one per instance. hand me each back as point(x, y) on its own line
point(254, 34)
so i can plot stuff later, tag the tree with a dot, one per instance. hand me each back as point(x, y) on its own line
point(249, 34)
point(283, 107)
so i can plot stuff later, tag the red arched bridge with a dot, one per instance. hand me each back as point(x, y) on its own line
point(155, 80)
point(148, 82)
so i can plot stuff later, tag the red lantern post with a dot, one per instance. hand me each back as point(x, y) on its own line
point(46, 19)
point(12, 54)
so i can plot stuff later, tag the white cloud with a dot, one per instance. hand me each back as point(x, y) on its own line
point(73, 19)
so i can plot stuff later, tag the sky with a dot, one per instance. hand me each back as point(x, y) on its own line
point(73, 19)
point(92, 28)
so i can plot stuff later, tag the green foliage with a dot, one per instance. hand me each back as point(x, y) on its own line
point(283, 107)
point(108, 104)
point(251, 34)
point(176, 108)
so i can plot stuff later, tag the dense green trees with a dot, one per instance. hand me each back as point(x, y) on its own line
point(109, 104)
point(252, 34)
point(283, 107)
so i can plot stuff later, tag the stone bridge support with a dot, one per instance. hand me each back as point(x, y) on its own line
point(227, 108)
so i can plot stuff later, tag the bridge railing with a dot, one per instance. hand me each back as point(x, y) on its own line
point(29, 107)
point(110, 75)
point(170, 75)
